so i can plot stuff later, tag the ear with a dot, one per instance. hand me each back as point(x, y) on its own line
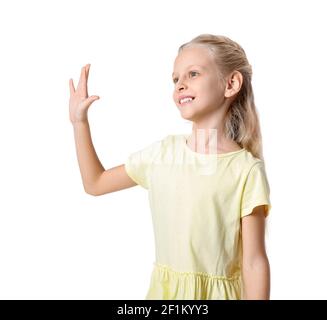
point(233, 84)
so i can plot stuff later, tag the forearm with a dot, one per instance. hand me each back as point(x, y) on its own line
point(256, 279)
point(89, 163)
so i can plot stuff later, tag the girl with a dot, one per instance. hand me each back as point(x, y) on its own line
point(208, 190)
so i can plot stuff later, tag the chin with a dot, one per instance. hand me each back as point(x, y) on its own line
point(190, 117)
point(189, 114)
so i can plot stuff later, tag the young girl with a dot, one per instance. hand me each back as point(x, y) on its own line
point(208, 190)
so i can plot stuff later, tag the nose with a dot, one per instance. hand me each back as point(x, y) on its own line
point(180, 85)
point(177, 90)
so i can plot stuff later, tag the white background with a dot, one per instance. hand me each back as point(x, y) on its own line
point(56, 241)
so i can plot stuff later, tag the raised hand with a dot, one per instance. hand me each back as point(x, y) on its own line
point(80, 101)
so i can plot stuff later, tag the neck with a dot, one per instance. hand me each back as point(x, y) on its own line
point(208, 134)
point(205, 139)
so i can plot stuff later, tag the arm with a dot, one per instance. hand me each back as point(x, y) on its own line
point(256, 270)
point(89, 163)
point(96, 180)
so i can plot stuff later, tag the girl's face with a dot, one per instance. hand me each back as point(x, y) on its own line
point(196, 74)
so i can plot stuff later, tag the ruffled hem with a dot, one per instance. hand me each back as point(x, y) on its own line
point(169, 284)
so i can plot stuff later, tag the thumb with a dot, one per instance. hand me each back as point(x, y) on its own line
point(94, 98)
point(88, 101)
point(91, 99)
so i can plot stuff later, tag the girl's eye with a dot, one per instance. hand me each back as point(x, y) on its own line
point(174, 80)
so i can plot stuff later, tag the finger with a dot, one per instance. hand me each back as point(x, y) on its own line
point(87, 71)
point(87, 68)
point(71, 86)
point(93, 98)
point(86, 76)
point(88, 101)
point(81, 82)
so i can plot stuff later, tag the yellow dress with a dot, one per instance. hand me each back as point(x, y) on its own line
point(197, 201)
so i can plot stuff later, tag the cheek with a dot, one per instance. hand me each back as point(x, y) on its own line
point(208, 99)
point(208, 93)
point(214, 92)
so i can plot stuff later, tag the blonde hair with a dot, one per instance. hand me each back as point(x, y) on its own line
point(241, 121)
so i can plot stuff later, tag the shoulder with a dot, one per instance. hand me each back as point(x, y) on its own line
point(170, 142)
point(250, 163)
point(150, 151)
point(171, 139)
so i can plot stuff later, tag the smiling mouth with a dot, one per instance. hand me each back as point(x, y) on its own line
point(186, 102)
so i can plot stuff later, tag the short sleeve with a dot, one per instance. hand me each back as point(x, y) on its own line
point(138, 164)
point(256, 191)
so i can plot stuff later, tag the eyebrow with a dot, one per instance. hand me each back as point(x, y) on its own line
point(192, 65)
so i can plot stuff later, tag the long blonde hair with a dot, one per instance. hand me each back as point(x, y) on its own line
point(242, 121)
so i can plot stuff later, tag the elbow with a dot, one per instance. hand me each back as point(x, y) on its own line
point(91, 192)
point(89, 189)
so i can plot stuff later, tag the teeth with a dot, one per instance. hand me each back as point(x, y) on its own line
point(186, 100)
